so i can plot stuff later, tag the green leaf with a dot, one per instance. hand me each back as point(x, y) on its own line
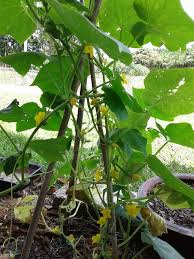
point(55, 77)
point(51, 149)
point(60, 171)
point(164, 250)
point(74, 3)
point(51, 100)
point(22, 62)
point(169, 179)
point(90, 164)
point(161, 129)
point(12, 113)
point(118, 18)
point(181, 133)
point(165, 23)
point(27, 121)
point(53, 123)
point(86, 32)
point(173, 199)
point(169, 92)
point(115, 104)
point(140, 21)
point(10, 163)
point(123, 105)
point(135, 120)
point(15, 20)
point(129, 140)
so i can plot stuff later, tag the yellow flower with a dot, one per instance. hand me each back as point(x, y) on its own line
point(73, 101)
point(96, 239)
point(132, 210)
point(102, 221)
point(114, 174)
point(88, 49)
point(106, 212)
point(56, 230)
point(98, 175)
point(136, 177)
point(83, 132)
point(124, 78)
point(103, 109)
point(94, 101)
point(71, 238)
point(39, 117)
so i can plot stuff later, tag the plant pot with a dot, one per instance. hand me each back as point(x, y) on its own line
point(181, 238)
point(7, 182)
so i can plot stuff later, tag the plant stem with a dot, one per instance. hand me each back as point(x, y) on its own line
point(12, 142)
point(132, 235)
point(77, 138)
point(105, 158)
point(44, 188)
point(62, 129)
point(141, 251)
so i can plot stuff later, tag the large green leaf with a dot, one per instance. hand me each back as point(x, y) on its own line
point(123, 105)
point(165, 22)
point(12, 112)
point(169, 92)
point(172, 198)
point(87, 32)
point(51, 100)
point(22, 62)
point(55, 77)
point(27, 121)
point(181, 133)
point(165, 250)
point(129, 140)
point(115, 104)
point(51, 149)
point(15, 20)
point(118, 18)
point(169, 179)
point(53, 123)
point(142, 21)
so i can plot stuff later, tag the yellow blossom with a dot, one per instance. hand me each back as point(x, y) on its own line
point(98, 175)
point(96, 239)
point(114, 174)
point(88, 49)
point(124, 78)
point(136, 177)
point(132, 210)
point(103, 109)
point(73, 101)
point(106, 212)
point(56, 230)
point(102, 221)
point(71, 238)
point(39, 117)
point(94, 101)
point(83, 132)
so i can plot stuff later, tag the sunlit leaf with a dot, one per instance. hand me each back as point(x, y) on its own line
point(15, 20)
point(89, 33)
point(22, 61)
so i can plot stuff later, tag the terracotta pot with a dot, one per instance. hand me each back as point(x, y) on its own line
point(181, 238)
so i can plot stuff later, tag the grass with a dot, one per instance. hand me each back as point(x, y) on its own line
point(7, 149)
